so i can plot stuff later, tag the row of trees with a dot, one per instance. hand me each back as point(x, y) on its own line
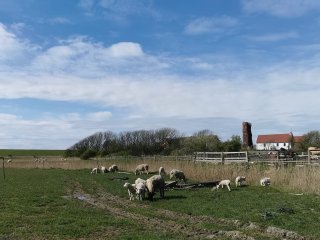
point(165, 141)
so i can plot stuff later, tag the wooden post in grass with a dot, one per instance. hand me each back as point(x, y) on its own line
point(3, 170)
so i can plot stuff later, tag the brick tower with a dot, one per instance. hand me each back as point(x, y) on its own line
point(246, 135)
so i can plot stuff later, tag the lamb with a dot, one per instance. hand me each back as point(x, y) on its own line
point(162, 171)
point(142, 168)
point(103, 169)
point(177, 174)
point(113, 168)
point(131, 190)
point(239, 180)
point(140, 190)
point(154, 184)
point(139, 180)
point(223, 183)
point(265, 181)
point(94, 171)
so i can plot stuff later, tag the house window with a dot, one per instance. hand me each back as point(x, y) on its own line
point(284, 144)
point(277, 144)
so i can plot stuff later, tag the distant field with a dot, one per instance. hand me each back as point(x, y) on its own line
point(30, 152)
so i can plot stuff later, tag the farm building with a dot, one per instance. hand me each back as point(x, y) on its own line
point(276, 141)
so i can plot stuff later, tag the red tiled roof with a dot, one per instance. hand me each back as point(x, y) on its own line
point(297, 138)
point(277, 138)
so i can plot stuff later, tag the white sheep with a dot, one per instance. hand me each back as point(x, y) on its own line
point(223, 183)
point(103, 169)
point(162, 171)
point(140, 190)
point(94, 171)
point(131, 190)
point(265, 181)
point(239, 180)
point(113, 168)
point(9, 160)
point(142, 168)
point(177, 174)
point(153, 184)
point(139, 180)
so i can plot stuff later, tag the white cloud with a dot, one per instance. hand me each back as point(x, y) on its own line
point(100, 116)
point(10, 46)
point(123, 77)
point(125, 49)
point(210, 25)
point(283, 8)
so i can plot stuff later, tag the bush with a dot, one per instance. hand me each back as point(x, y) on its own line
point(88, 154)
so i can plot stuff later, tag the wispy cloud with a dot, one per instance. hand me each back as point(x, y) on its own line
point(283, 8)
point(87, 6)
point(274, 37)
point(59, 20)
point(205, 25)
point(12, 49)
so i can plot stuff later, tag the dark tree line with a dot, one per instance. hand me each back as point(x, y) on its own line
point(164, 141)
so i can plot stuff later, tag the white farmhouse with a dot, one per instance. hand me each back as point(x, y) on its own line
point(276, 141)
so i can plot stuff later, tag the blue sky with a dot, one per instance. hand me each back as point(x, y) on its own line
point(69, 69)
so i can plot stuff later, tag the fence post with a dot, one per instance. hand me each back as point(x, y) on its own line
point(3, 170)
point(222, 158)
point(247, 158)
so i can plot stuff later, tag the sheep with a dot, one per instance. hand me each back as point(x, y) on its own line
point(140, 190)
point(154, 184)
point(162, 171)
point(265, 181)
point(103, 169)
point(142, 168)
point(9, 160)
point(94, 171)
point(177, 174)
point(239, 180)
point(139, 180)
point(113, 168)
point(223, 183)
point(131, 190)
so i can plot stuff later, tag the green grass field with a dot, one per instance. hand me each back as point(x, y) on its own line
point(72, 204)
point(30, 152)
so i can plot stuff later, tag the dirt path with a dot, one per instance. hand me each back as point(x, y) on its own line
point(182, 224)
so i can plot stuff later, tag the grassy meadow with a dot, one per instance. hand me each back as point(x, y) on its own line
point(62, 200)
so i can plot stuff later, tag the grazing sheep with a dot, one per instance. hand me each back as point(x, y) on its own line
point(140, 190)
point(177, 174)
point(113, 168)
point(103, 169)
point(153, 184)
point(131, 190)
point(162, 171)
point(265, 181)
point(9, 160)
point(94, 171)
point(142, 168)
point(223, 183)
point(139, 180)
point(239, 180)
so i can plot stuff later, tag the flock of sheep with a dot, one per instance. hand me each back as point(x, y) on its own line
point(140, 187)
